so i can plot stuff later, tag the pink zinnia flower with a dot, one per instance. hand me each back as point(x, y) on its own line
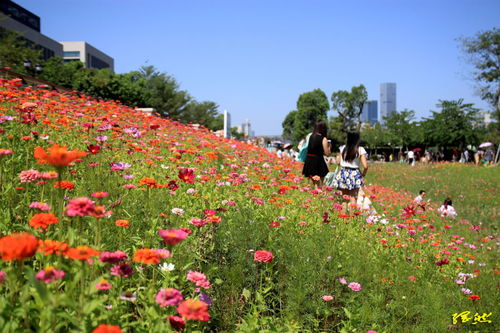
point(342, 280)
point(50, 274)
point(40, 205)
point(103, 285)
point(113, 257)
point(6, 151)
point(163, 253)
point(263, 256)
point(327, 298)
point(29, 176)
point(198, 222)
point(129, 186)
point(2, 277)
point(173, 237)
point(80, 207)
point(199, 279)
point(167, 297)
point(354, 286)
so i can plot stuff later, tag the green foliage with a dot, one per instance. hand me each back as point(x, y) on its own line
point(375, 136)
point(204, 113)
point(453, 126)
point(311, 107)
point(484, 53)
point(349, 106)
point(399, 127)
point(14, 51)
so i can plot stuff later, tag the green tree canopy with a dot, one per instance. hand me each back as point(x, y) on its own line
point(484, 53)
point(14, 51)
point(454, 126)
point(349, 106)
point(399, 127)
point(311, 107)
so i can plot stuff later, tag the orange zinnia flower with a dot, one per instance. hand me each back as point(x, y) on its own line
point(65, 185)
point(81, 253)
point(43, 220)
point(147, 256)
point(192, 309)
point(18, 246)
point(57, 156)
point(122, 223)
point(48, 247)
point(103, 328)
point(149, 182)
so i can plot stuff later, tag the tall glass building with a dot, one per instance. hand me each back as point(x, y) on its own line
point(387, 100)
point(370, 112)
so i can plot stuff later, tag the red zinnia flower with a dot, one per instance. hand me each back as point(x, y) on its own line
point(474, 297)
point(186, 175)
point(94, 149)
point(18, 246)
point(177, 322)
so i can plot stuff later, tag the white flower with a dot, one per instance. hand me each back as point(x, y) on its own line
point(167, 267)
point(178, 211)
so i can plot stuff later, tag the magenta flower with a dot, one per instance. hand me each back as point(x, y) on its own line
point(167, 297)
point(80, 207)
point(354, 286)
point(2, 277)
point(173, 237)
point(122, 269)
point(113, 257)
point(342, 280)
point(50, 274)
point(198, 222)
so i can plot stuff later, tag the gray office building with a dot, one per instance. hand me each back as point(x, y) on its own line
point(387, 100)
point(89, 55)
point(370, 112)
point(16, 18)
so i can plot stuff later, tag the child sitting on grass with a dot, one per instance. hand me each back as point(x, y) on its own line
point(419, 200)
point(447, 210)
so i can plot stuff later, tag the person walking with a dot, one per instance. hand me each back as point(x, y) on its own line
point(315, 166)
point(350, 179)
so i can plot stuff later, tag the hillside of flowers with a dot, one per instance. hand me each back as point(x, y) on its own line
point(116, 221)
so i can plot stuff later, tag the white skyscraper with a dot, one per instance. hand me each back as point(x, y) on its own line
point(387, 99)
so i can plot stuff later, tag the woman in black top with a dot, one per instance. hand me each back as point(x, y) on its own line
point(315, 166)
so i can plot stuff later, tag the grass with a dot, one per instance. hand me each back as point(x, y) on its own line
point(474, 190)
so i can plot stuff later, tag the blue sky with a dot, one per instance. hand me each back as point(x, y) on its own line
point(255, 57)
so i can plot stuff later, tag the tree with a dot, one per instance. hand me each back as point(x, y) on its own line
point(164, 95)
point(206, 114)
point(349, 106)
point(454, 126)
point(399, 127)
point(60, 73)
point(289, 125)
point(335, 132)
point(484, 54)
point(375, 137)
point(311, 107)
point(14, 51)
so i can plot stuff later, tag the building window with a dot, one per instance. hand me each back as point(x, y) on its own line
point(73, 54)
point(97, 63)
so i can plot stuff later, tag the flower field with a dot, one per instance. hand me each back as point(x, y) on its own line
point(114, 221)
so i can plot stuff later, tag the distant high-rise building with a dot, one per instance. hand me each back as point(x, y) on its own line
point(387, 100)
point(89, 55)
point(246, 129)
point(370, 112)
point(16, 18)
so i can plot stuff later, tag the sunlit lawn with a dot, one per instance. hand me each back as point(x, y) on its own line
point(474, 190)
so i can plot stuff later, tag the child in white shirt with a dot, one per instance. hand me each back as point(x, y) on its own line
point(447, 210)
